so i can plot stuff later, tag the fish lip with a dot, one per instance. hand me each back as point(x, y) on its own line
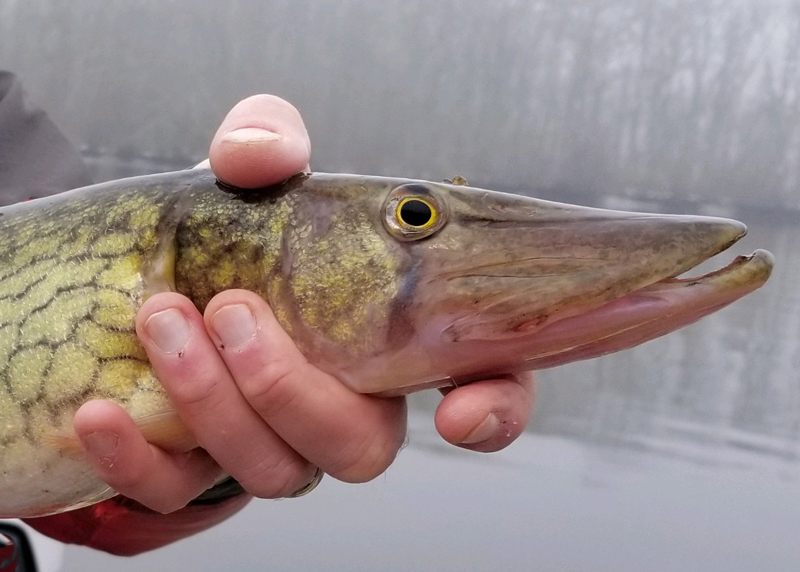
point(722, 248)
point(744, 274)
point(655, 310)
point(763, 256)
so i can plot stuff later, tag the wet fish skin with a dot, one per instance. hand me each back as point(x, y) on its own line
point(384, 307)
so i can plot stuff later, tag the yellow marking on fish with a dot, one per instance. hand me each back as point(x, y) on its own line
point(39, 248)
point(351, 278)
point(279, 220)
point(109, 344)
point(118, 214)
point(54, 322)
point(197, 254)
point(114, 309)
point(78, 242)
point(23, 234)
point(124, 273)
point(71, 274)
point(114, 244)
point(25, 371)
point(24, 277)
point(121, 378)
point(143, 403)
point(148, 239)
point(36, 297)
point(145, 216)
point(223, 273)
point(71, 372)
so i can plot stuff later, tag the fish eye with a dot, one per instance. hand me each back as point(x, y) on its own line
point(414, 211)
point(417, 213)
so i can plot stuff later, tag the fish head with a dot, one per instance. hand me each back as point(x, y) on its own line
point(479, 283)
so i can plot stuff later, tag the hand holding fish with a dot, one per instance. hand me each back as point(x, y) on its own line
point(260, 412)
point(388, 285)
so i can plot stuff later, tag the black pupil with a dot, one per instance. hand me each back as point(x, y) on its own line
point(416, 213)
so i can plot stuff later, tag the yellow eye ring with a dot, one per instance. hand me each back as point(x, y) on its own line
point(416, 213)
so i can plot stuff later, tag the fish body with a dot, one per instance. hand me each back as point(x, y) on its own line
point(391, 285)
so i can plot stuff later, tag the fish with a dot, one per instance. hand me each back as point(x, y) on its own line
point(391, 285)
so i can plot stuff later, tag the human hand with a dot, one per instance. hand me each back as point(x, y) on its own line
point(260, 412)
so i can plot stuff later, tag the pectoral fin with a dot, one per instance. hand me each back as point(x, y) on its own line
point(163, 429)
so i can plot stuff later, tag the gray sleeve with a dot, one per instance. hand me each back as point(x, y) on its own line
point(35, 158)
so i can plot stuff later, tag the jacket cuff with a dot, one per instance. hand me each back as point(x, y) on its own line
point(124, 527)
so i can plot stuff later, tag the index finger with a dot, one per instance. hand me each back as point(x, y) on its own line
point(261, 142)
point(352, 437)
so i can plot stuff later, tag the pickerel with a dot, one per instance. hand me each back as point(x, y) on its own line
point(391, 285)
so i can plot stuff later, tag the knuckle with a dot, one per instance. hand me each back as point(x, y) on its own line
point(191, 393)
point(276, 479)
point(366, 460)
point(273, 388)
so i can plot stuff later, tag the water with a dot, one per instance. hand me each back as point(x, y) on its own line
point(680, 455)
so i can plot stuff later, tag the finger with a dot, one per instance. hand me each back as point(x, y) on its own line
point(488, 415)
point(261, 142)
point(208, 401)
point(132, 467)
point(351, 436)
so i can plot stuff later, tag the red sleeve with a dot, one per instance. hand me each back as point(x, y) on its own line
point(124, 527)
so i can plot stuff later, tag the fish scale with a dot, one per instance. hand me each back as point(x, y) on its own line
point(68, 266)
point(489, 284)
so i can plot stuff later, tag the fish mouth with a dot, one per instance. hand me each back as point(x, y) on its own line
point(648, 312)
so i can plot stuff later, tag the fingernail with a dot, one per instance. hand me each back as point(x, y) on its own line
point(169, 330)
point(103, 445)
point(251, 135)
point(484, 431)
point(235, 325)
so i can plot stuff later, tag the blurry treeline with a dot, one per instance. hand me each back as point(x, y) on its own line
point(694, 99)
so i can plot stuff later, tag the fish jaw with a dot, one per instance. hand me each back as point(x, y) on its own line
point(620, 324)
point(650, 312)
point(515, 284)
